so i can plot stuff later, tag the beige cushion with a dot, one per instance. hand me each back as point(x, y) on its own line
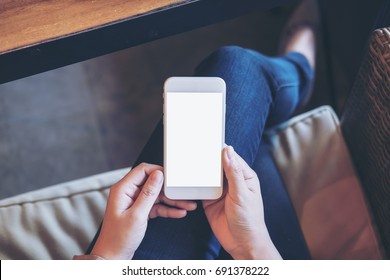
point(313, 160)
point(56, 222)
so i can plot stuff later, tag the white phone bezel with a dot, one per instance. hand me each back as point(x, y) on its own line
point(194, 84)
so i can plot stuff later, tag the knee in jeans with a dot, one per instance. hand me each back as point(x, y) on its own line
point(238, 67)
point(231, 57)
point(241, 58)
point(230, 53)
point(220, 60)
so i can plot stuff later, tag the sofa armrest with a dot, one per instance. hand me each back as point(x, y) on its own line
point(55, 222)
point(318, 173)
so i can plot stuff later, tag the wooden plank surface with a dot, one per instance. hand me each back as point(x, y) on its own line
point(28, 22)
point(41, 35)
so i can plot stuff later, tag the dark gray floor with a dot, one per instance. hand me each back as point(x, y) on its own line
point(96, 116)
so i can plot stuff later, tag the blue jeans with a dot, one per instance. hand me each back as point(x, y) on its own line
point(261, 92)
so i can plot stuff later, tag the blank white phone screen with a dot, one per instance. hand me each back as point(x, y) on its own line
point(194, 137)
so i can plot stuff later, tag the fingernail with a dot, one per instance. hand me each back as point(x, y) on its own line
point(157, 177)
point(230, 152)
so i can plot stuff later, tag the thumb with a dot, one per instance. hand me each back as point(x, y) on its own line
point(149, 193)
point(233, 172)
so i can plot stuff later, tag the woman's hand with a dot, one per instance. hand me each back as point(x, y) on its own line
point(132, 201)
point(237, 218)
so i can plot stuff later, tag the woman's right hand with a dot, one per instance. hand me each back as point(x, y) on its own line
point(237, 218)
point(134, 200)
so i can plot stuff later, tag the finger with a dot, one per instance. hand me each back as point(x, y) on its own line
point(182, 204)
point(250, 175)
point(246, 169)
point(159, 210)
point(149, 193)
point(138, 175)
point(124, 192)
point(122, 197)
point(233, 172)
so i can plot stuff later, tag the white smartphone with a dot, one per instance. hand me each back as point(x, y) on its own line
point(194, 136)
